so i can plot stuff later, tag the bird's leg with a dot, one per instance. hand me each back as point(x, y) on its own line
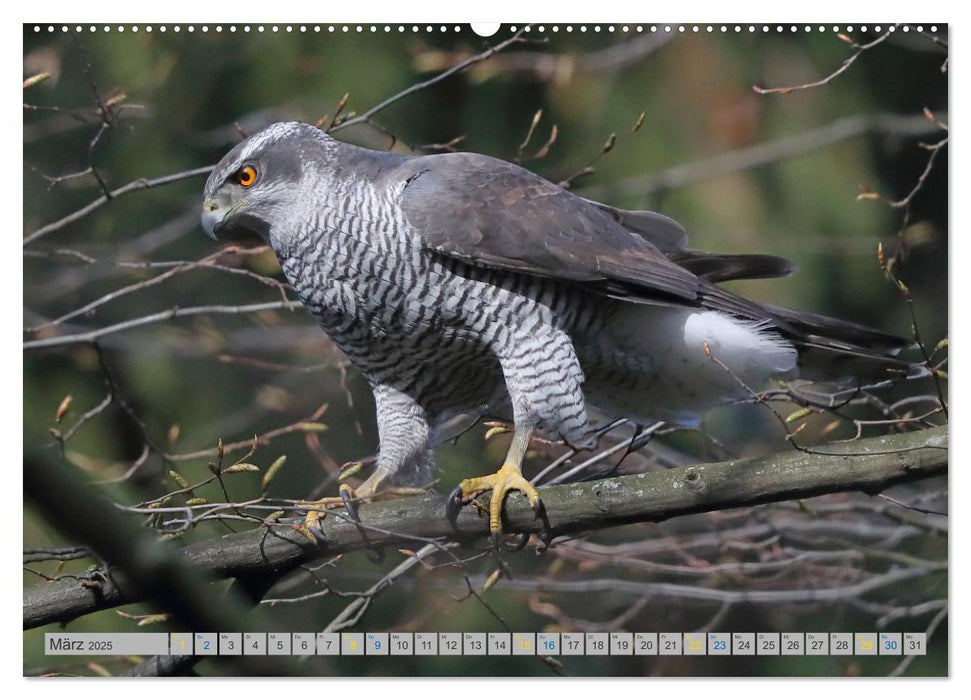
point(349, 498)
point(318, 510)
point(403, 432)
point(508, 478)
point(368, 491)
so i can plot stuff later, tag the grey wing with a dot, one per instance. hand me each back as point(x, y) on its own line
point(724, 267)
point(666, 234)
point(669, 237)
point(491, 213)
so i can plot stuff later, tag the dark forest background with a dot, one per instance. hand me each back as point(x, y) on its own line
point(819, 174)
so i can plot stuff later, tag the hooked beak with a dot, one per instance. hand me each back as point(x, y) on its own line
point(212, 218)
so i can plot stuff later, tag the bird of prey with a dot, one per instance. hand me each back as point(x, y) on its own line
point(460, 283)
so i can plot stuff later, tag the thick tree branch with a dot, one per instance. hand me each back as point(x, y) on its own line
point(868, 465)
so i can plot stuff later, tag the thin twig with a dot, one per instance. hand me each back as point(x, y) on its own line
point(417, 87)
point(845, 65)
point(134, 186)
point(90, 336)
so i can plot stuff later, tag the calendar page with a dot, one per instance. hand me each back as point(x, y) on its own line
point(511, 350)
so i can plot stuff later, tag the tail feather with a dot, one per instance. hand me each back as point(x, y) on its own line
point(723, 267)
point(831, 349)
point(828, 362)
point(832, 331)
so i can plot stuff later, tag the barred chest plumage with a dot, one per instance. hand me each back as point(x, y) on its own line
point(430, 326)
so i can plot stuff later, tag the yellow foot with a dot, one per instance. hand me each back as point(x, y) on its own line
point(507, 479)
point(318, 509)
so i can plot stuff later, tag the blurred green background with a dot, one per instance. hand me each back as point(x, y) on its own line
point(193, 381)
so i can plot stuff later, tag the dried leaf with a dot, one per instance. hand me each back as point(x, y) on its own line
point(152, 619)
point(241, 467)
point(98, 669)
point(274, 468)
point(828, 428)
point(544, 151)
point(36, 80)
point(425, 565)
point(496, 430)
point(349, 470)
point(64, 407)
point(796, 415)
point(491, 581)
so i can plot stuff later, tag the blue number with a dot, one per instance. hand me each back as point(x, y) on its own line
point(205, 645)
point(891, 645)
point(377, 645)
point(719, 645)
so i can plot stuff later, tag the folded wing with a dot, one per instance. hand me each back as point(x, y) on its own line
point(491, 213)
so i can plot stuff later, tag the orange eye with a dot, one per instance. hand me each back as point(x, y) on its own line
point(246, 175)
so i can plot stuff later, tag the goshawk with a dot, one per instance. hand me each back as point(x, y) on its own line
point(460, 283)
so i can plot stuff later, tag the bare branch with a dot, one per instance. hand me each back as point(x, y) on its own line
point(860, 49)
point(418, 87)
point(765, 153)
point(934, 150)
point(175, 268)
point(133, 186)
point(870, 465)
point(559, 67)
point(91, 336)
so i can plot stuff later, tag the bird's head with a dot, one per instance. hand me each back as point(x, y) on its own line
point(255, 187)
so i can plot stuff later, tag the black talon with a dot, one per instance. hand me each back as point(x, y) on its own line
point(523, 539)
point(454, 504)
point(318, 532)
point(495, 542)
point(347, 495)
point(539, 510)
